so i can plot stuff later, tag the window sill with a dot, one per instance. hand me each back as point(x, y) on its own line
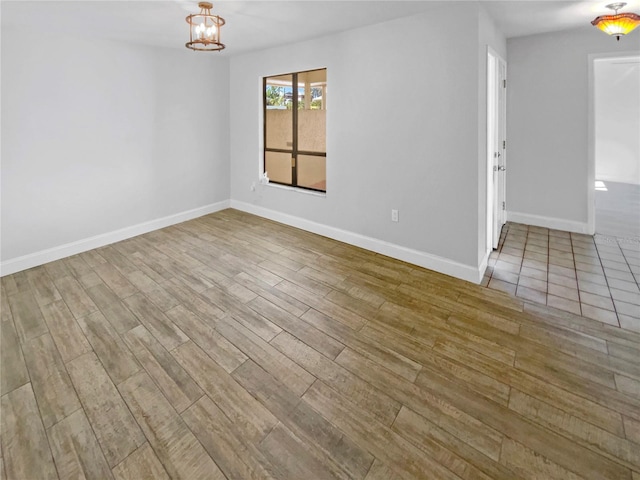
point(313, 193)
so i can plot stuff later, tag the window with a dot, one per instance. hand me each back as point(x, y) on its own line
point(295, 151)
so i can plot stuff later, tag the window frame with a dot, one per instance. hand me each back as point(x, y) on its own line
point(295, 152)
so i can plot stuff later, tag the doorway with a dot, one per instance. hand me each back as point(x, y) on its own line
point(496, 146)
point(616, 113)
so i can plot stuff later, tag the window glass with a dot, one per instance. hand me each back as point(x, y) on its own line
point(278, 167)
point(279, 113)
point(312, 172)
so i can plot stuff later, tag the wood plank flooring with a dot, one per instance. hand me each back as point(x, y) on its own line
point(234, 347)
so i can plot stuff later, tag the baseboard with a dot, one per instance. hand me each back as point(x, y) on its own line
point(51, 254)
point(548, 222)
point(415, 257)
point(484, 263)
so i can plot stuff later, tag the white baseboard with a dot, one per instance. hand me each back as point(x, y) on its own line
point(483, 265)
point(548, 222)
point(24, 262)
point(416, 257)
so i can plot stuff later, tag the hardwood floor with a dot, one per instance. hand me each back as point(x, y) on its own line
point(234, 347)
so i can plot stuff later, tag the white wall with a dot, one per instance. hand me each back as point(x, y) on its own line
point(101, 136)
point(547, 122)
point(402, 132)
point(617, 119)
point(98, 136)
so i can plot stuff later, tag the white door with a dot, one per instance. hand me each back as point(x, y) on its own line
point(496, 147)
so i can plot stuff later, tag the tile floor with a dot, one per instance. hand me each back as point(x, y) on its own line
point(593, 276)
point(617, 209)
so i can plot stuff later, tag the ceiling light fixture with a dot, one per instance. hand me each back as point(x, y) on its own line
point(204, 30)
point(619, 23)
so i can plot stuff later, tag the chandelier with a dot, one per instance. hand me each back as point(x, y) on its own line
point(619, 23)
point(204, 30)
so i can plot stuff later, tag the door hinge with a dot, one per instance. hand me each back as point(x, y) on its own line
point(504, 83)
point(504, 144)
point(503, 206)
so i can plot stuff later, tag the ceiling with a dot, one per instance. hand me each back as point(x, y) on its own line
point(518, 18)
point(254, 25)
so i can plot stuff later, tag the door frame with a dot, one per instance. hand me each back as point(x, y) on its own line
point(496, 215)
point(591, 148)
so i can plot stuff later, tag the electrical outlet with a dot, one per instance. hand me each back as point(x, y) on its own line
point(394, 215)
